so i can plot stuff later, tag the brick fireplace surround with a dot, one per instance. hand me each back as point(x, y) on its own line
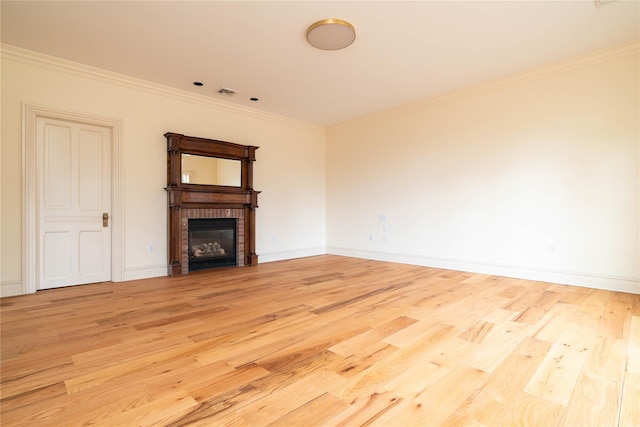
point(188, 214)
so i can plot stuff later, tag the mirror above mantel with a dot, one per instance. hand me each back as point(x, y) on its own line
point(205, 170)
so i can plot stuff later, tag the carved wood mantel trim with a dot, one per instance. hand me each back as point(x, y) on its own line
point(196, 196)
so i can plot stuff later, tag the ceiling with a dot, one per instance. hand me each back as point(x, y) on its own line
point(404, 52)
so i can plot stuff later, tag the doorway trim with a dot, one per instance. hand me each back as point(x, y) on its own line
point(30, 115)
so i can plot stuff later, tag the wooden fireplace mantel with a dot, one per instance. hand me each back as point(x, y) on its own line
point(183, 196)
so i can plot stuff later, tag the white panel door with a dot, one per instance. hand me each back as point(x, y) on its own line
point(74, 192)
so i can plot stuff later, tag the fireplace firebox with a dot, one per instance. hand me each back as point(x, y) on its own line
point(212, 243)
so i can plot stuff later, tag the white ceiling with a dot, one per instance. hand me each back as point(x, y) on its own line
point(404, 52)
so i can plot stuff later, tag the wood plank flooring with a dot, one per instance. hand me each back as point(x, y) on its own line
point(321, 341)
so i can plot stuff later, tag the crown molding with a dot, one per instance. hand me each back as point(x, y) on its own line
point(37, 59)
point(555, 68)
point(50, 62)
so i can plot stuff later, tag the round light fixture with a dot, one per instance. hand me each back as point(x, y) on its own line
point(331, 34)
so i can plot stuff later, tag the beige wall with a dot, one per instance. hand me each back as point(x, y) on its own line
point(492, 179)
point(289, 170)
point(534, 177)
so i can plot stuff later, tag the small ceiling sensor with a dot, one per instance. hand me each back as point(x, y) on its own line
point(198, 84)
point(227, 91)
point(254, 99)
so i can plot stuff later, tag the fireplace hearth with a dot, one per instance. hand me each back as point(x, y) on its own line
point(212, 243)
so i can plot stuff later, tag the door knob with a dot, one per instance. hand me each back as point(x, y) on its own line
point(105, 219)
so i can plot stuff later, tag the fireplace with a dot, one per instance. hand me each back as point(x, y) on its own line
point(212, 243)
point(211, 197)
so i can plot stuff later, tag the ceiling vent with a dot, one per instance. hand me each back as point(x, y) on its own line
point(600, 3)
point(227, 91)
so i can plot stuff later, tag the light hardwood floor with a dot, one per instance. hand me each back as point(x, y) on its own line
point(321, 341)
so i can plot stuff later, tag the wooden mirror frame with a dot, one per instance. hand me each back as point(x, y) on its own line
point(197, 196)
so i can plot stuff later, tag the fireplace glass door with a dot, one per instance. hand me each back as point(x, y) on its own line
point(212, 243)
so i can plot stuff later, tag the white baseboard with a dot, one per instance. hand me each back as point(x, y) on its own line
point(284, 255)
point(11, 288)
point(618, 284)
point(609, 283)
point(145, 272)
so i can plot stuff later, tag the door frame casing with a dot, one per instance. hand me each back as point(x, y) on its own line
point(30, 115)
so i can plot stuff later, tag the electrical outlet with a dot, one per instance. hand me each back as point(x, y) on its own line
point(151, 248)
point(371, 237)
point(552, 250)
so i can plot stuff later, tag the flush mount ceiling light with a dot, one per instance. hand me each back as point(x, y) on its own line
point(331, 34)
